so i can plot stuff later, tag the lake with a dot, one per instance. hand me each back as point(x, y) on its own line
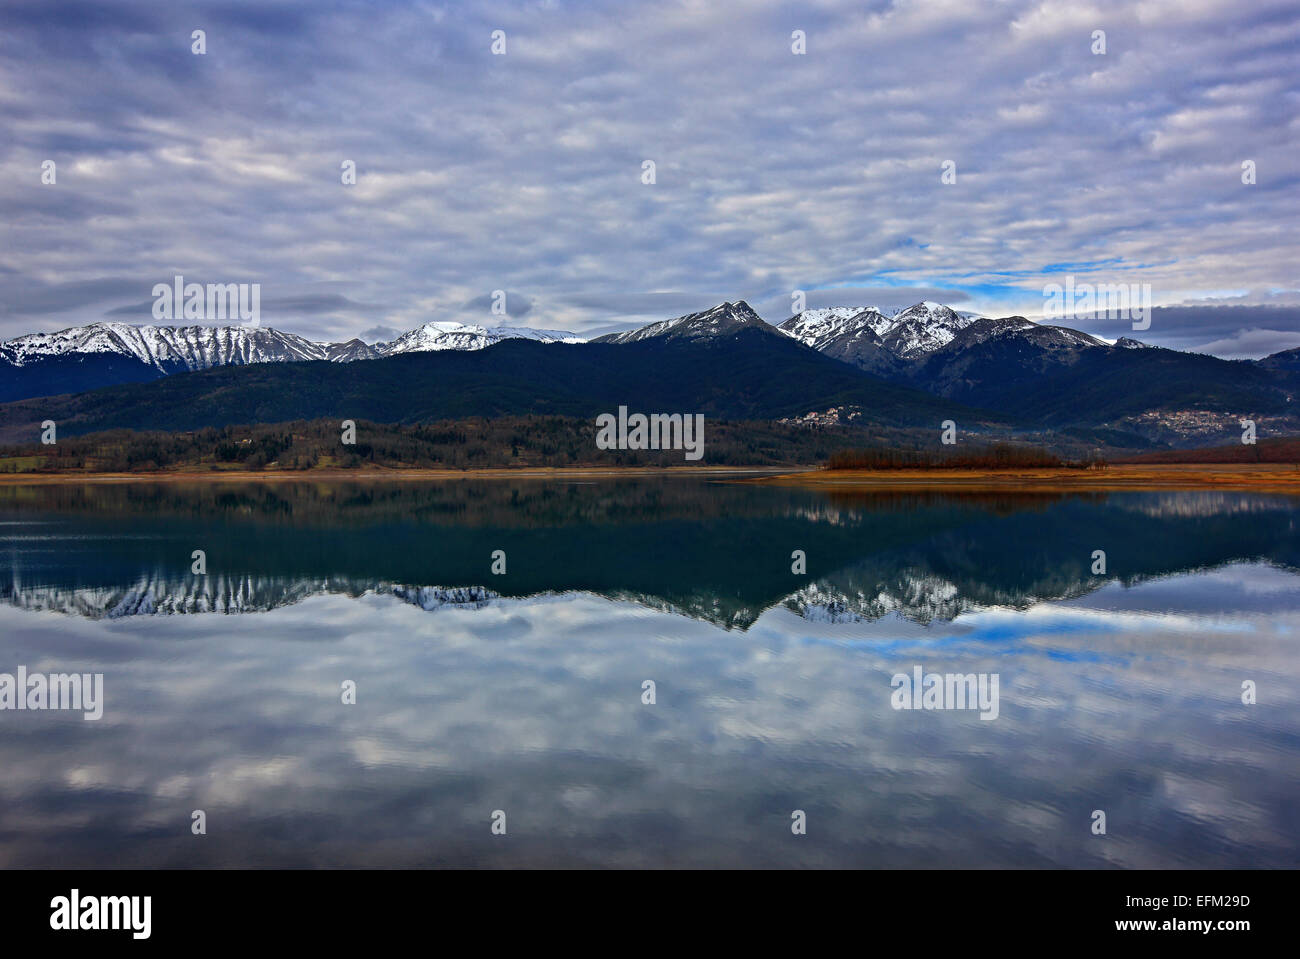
point(499, 638)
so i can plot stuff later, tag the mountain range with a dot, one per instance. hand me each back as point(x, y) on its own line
point(746, 371)
point(852, 363)
point(104, 354)
point(1056, 376)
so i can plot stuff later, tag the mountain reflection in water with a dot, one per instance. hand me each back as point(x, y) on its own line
point(523, 692)
point(712, 550)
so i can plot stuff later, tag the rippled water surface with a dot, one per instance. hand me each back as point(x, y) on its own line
point(522, 692)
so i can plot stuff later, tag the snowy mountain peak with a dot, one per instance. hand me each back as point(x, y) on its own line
point(909, 333)
point(923, 328)
point(168, 349)
point(174, 349)
point(720, 320)
point(432, 337)
point(820, 328)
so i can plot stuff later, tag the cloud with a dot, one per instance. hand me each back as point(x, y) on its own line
point(888, 299)
point(310, 304)
point(1249, 298)
point(514, 305)
point(21, 296)
point(379, 334)
point(1251, 344)
point(523, 172)
point(533, 711)
point(1233, 332)
point(646, 304)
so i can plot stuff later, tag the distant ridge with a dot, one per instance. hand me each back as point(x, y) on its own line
point(726, 361)
point(105, 354)
point(720, 320)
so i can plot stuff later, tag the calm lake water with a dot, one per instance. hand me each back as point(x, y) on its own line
point(522, 692)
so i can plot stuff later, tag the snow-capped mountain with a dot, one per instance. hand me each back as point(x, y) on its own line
point(1021, 330)
point(908, 334)
point(105, 354)
point(722, 319)
point(458, 336)
point(1004, 365)
point(168, 349)
point(922, 329)
point(350, 350)
point(820, 329)
point(157, 594)
point(882, 343)
point(898, 345)
point(851, 334)
point(858, 594)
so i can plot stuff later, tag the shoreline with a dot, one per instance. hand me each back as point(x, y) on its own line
point(337, 475)
point(1253, 477)
point(1261, 477)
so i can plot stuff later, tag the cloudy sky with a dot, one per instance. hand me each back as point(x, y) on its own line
point(774, 171)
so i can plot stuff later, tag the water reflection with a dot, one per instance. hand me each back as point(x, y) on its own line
point(1120, 692)
point(714, 551)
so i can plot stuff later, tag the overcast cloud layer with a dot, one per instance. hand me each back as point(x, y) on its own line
point(775, 172)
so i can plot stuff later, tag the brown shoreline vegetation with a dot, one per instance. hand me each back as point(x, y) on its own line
point(1257, 477)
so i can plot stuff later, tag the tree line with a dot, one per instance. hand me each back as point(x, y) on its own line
point(472, 443)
